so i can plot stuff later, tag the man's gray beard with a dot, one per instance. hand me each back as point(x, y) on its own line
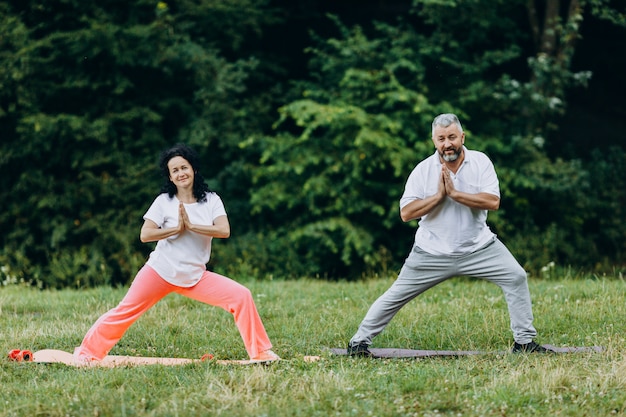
point(450, 158)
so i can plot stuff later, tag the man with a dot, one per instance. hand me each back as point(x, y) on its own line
point(451, 192)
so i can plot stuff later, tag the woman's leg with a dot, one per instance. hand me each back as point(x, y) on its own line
point(217, 290)
point(145, 291)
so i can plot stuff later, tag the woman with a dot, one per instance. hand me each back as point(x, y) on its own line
point(183, 219)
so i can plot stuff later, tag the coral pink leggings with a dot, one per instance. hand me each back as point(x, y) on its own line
point(148, 288)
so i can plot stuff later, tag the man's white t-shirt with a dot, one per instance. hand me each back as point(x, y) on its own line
point(452, 228)
point(181, 259)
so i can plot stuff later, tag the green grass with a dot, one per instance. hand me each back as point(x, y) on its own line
point(303, 317)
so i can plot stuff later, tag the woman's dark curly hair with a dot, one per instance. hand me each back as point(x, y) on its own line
point(200, 189)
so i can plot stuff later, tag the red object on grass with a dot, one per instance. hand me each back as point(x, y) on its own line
point(18, 355)
point(14, 355)
point(207, 356)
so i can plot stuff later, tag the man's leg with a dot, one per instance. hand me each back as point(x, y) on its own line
point(496, 264)
point(420, 272)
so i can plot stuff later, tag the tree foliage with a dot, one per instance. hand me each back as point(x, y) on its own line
point(90, 93)
point(336, 166)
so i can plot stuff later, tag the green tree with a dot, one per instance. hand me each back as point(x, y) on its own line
point(90, 94)
point(335, 168)
point(333, 172)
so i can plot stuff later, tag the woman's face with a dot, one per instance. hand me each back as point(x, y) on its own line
point(181, 172)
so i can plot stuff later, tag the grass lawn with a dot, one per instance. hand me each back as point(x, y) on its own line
point(303, 318)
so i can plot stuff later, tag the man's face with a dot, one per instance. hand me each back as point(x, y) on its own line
point(449, 142)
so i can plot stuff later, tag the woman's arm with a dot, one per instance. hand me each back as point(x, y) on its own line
point(220, 228)
point(151, 232)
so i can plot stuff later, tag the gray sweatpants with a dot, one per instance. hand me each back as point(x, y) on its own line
point(422, 271)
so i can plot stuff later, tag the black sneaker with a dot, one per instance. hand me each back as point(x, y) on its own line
point(531, 347)
point(362, 349)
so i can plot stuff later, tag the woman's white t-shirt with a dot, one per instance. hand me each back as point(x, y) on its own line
point(181, 259)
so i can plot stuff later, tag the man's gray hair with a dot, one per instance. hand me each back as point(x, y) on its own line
point(445, 120)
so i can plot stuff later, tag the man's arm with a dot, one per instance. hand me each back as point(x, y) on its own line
point(418, 208)
point(481, 201)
